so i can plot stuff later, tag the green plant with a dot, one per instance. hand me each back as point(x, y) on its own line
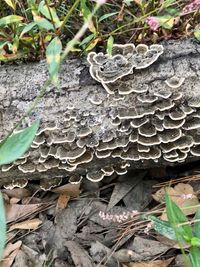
point(2, 226)
point(180, 229)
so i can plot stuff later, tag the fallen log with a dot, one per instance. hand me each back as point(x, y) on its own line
point(143, 117)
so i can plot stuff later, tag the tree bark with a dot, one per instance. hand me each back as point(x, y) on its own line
point(81, 119)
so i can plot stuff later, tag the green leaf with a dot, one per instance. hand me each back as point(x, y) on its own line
point(197, 34)
point(110, 45)
point(2, 227)
point(175, 217)
point(85, 10)
point(163, 227)
point(17, 144)
point(10, 19)
point(197, 224)
point(28, 28)
point(42, 22)
point(86, 13)
point(195, 241)
point(107, 16)
point(195, 256)
point(43, 9)
point(53, 53)
point(167, 22)
point(174, 12)
point(87, 39)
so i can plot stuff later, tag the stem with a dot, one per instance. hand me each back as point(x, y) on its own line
point(69, 14)
point(54, 26)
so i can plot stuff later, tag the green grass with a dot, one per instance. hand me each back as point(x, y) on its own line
point(125, 21)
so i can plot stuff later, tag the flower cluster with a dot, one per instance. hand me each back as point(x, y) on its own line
point(118, 217)
point(153, 23)
point(191, 7)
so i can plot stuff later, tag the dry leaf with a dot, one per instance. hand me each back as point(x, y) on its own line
point(171, 243)
point(10, 252)
point(17, 192)
point(157, 263)
point(62, 202)
point(26, 225)
point(14, 200)
point(72, 190)
point(182, 194)
point(16, 211)
point(159, 196)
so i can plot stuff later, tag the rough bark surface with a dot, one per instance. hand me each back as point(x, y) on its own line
point(79, 137)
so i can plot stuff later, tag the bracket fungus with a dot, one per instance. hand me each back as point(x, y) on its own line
point(126, 121)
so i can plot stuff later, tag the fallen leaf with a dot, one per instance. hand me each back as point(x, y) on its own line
point(147, 248)
point(14, 200)
point(124, 186)
point(182, 194)
point(26, 225)
point(171, 243)
point(10, 252)
point(79, 256)
point(17, 192)
point(72, 190)
point(17, 211)
point(62, 201)
point(156, 263)
point(28, 257)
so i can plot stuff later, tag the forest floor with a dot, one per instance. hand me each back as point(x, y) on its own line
point(98, 224)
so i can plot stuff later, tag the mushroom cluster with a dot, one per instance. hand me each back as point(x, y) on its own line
point(162, 125)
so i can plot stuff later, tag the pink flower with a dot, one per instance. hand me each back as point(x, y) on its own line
point(153, 23)
point(191, 7)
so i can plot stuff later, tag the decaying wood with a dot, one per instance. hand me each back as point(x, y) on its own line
point(83, 130)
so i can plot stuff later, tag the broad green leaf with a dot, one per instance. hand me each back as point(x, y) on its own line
point(167, 22)
point(110, 45)
point(87, 39)
point(17, 144)
point(42, 22)
point(174, 12)
point(53, 53)
point(10, 19)
point(10, 3)
point(84, 9)
point(197, 34)
point(107, 16)
point(195, 241)
point(197, 223)
point(2, 227)
point(163, 227)
point(195, 256)
point(43, 9)
point(175, 217)
point(28, 28)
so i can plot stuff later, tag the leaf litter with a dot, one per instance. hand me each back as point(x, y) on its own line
point(73, 225)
